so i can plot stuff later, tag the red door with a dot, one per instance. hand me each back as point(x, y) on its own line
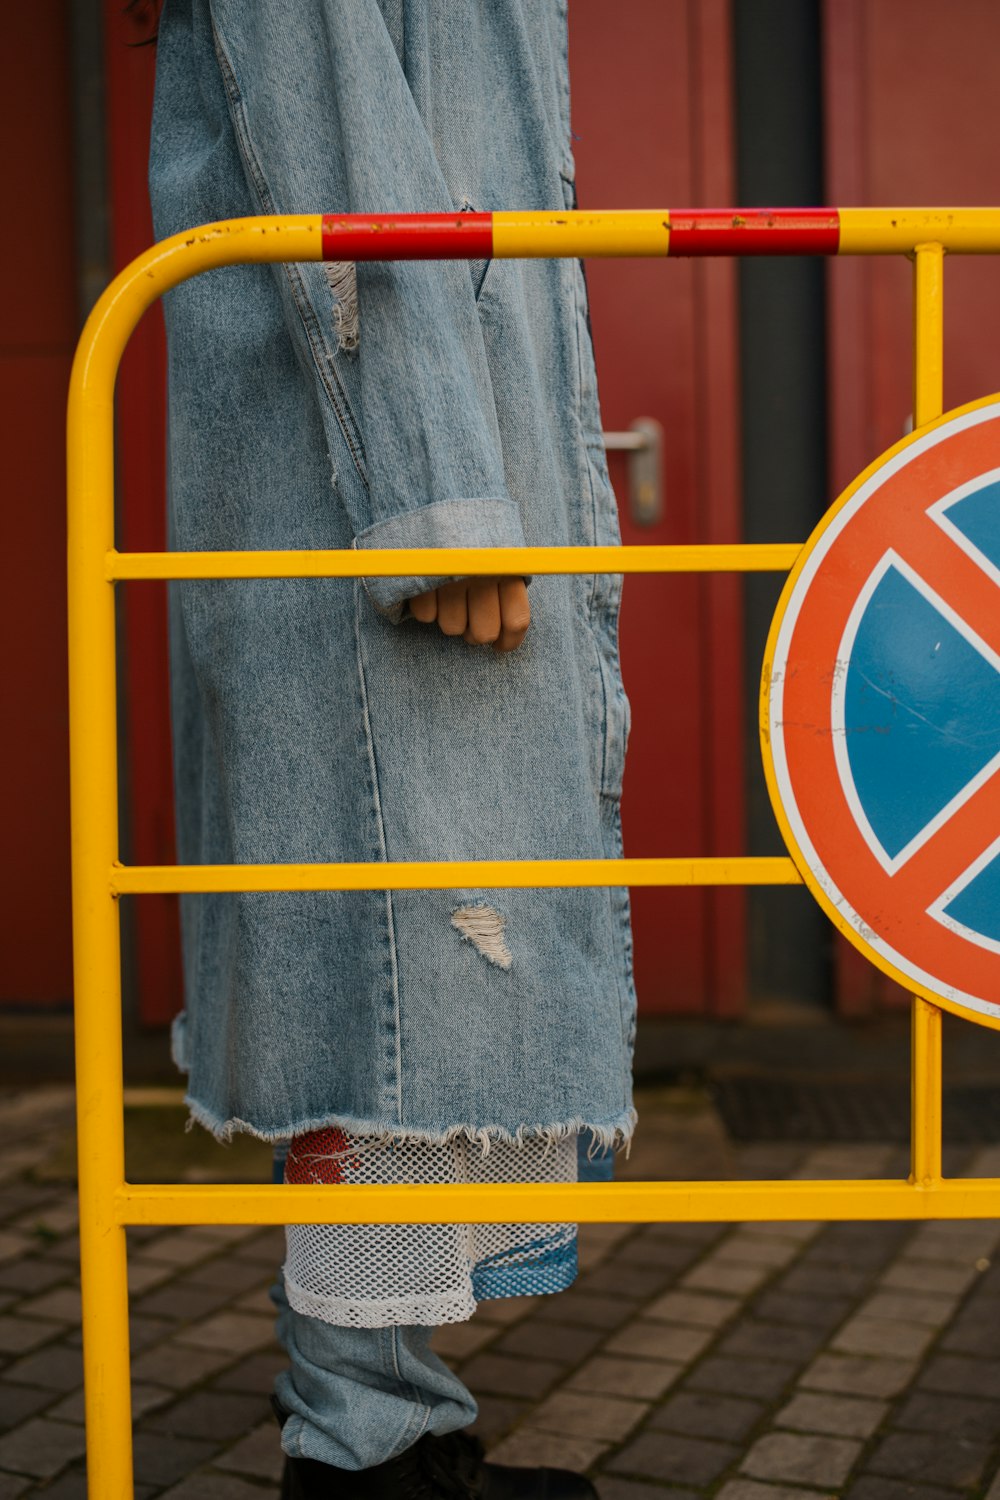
point(910, 102)
point(652, 117)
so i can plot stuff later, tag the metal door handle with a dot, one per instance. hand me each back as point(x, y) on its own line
point(643, 443)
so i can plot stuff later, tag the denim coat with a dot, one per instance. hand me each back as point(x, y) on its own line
point(411, 405)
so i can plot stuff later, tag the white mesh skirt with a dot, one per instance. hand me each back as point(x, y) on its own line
point(376, 1275)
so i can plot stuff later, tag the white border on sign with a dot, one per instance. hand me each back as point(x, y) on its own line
point(938, 912)
point(938, 514)
point(789, 620)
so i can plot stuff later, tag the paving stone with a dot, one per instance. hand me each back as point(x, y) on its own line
point(993, 1493)
point(143, 1332)
point(823, 1314)
point(671, 1456)
point(588, 1311)
point(701, 1309)
point(57, 1368)
point(224, 1272)
point(257, 1454)
point(143, 1275)
point(41, 1447)
point(696, 1234)
point(962, 1416)
point(59, 1306)
point(256, 1301)
point(958, 1375)
point(757, 1249)
point(547, 1341)
point(637, 1282)
point(645, 1379)
point(609, 1487)
point(11, 1488)
point(824, 1281)
point(663, 1255)
point(221, 1415)
point(964, 1241)
point(749, 1489)
point(182, 1302)
point(529, 1447)
point(882, 1336)
point(937, 1457)
point(459, 1340)
point(595, 1241)
point(266, 1248)
point(763, 1378)
point(163, 1458)
point(771, 1341)
point(904, 1307)
point(972, 1334)
point(855, 1245)
point(32, 1273)
point(856, 1376)
point(256, 1373)
point(497, 1415)
point(178, 1247)
point(575, 1414)
point(178, 1365)
point(19, 1402)
point(801, 1458)
point(505, 1310)
point(840, 1416)
point(877, 1487)
point(652, 1340)
point(19, 1335)
point(925, 1277)
point(72, 1485)
point(701, 1414)
point(504, 1375)
point(734, 1277)
point(238, 1332)
point(213, 1486)
point(57, 1217)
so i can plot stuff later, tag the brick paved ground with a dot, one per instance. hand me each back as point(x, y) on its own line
point(748, 1363)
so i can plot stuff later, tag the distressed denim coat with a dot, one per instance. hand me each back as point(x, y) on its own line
point(449, 404)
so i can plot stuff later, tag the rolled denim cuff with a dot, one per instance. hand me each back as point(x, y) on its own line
point(445, 523)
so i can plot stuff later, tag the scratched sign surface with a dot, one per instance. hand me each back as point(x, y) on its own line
point(880, 712)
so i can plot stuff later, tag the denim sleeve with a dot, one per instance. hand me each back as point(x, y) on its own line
point(326, 122)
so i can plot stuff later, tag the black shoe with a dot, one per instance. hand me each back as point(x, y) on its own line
point(434, 1468)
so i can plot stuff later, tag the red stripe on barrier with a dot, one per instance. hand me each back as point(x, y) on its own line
point(407, 236)
point(754, 231)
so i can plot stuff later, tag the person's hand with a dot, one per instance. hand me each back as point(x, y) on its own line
point(483, 611)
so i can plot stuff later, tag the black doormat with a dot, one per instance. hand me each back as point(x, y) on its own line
point(768, 1109)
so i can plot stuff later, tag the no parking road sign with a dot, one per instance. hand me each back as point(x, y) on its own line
point(880, 712)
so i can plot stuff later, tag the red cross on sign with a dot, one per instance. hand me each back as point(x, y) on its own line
point(880, 712)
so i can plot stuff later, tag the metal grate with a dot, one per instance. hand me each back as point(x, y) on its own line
point(769, 1109)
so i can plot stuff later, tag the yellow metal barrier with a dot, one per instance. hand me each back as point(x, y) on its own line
point(107, 1202)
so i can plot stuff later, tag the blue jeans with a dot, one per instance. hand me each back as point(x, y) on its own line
point(358, 1396)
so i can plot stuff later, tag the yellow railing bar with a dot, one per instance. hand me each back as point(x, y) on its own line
point(736, 557)
point(534, 1202)
point(107, 1202)
point(928, 334)
point(928, 401)
point(448, 875)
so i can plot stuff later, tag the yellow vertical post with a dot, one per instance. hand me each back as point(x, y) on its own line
point(928, 334)
point(925, 1097)
point(97, 961)
point(928, 401)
